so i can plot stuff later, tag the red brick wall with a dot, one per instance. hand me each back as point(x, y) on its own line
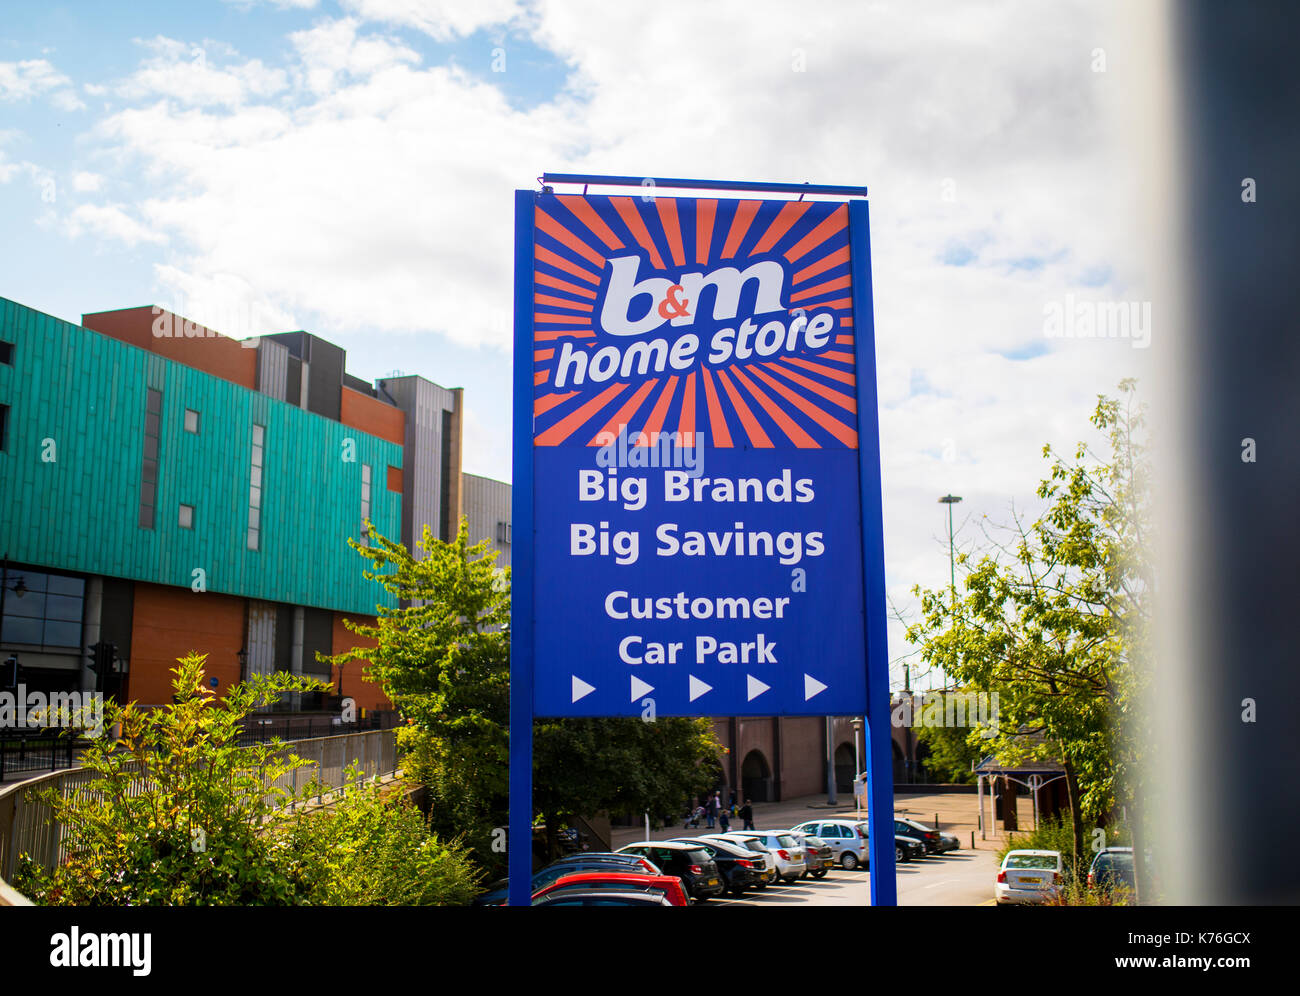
point(373, 416)
point(367, 695)
point(167, 623)
point(218, 355)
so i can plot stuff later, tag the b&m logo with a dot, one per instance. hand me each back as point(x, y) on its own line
point(671, 302)
point(723, 317)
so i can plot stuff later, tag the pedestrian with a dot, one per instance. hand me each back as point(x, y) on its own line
point(711, 810)
point(724, 819)
point(747, 814)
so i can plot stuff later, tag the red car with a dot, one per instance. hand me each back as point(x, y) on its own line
point(670, 886)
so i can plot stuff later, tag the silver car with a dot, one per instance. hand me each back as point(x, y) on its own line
point(847, 838)
point(787, 850)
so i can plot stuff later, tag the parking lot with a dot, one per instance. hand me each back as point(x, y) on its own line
point(958, 878)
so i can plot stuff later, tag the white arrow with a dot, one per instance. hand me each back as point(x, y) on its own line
point(811, 687)
point(640, 688)
point(581, 688)
point(754, 688)
point(698, 687)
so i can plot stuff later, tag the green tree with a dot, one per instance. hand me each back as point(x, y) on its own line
point(1055, 622)
point(443, 658)
point(176, 812)
point(952, 749)
point(619, 765)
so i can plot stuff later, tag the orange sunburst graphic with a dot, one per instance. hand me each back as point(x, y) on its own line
point(735, 320)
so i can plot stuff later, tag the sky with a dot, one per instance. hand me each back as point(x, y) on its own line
point(347, 167)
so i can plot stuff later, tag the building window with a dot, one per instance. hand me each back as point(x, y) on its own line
point(503, 534)
point(187, 517)
point(191, 420)
point(47, 613)
point(365, 503)
point(255, 489)
point(7, 353)
point(4, 428)
point(149, 464)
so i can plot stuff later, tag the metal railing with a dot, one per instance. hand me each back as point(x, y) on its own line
point(27, 825)
point(373, 754)
point(263, 731)
point(36, 752)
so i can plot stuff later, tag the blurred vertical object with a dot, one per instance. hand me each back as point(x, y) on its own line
point(1219, 148)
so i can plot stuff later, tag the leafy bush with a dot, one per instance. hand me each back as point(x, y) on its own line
point(1075, 892)
point(180, 815)
point(176, 815)
point(366, 850)
point(1057, 834)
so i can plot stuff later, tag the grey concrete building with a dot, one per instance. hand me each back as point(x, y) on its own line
point(486, 504)
point(431, 478)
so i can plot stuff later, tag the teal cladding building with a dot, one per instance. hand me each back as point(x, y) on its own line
point(72, 480)
point(166, 489)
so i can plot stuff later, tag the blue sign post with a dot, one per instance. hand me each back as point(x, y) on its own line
point(697, 514)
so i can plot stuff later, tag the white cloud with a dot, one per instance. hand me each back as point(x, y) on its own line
point(22, 81)
point(190, 75)
point(221, 301)
point(67, 100)
point(381, 203)
point(357, 188)
point(282, 4)
point(110, 222)
point(441, 19)
point(332, 53)
point(86, 183)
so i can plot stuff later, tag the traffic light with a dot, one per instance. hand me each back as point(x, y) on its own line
point(102, 656)
point(95, 652)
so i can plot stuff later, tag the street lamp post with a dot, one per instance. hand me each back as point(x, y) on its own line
point(830, 764)
point(857, 765)
point(950, 501)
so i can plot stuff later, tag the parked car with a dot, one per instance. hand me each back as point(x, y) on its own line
point(665, 885)
point(935, 841)
point(689, 862)
point(1028, 877)
point(607, 856)
point(568, 865)
point(740, 867)
point(763, 855)
point(908, 844)
point(847, 840)
point(819, 856)
point(905, 847)
point(1112, 868)
point(786, 849)
point(604, 897)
